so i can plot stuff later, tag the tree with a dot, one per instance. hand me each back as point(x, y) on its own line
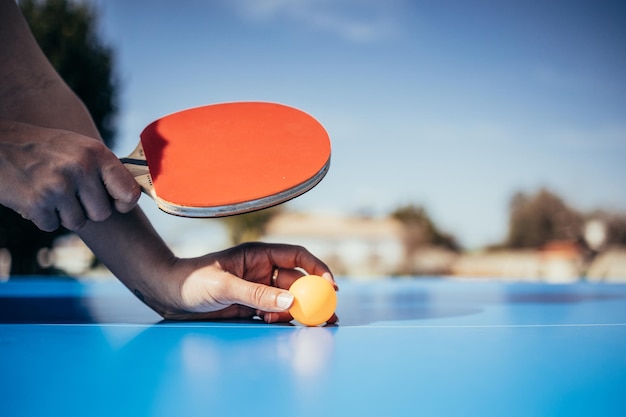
point(540, 218)
point(65, 30)
point(420, 230)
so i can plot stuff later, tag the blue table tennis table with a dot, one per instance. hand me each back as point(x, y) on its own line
point(403, 347)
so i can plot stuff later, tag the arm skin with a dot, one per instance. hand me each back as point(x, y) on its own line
point(54, 168)
point(55, 171)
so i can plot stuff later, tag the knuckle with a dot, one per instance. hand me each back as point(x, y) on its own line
point(129, 200)
point(259, 295)
point(47, 226)
point(300, 249)
point(51, 188)
point(39, 201)
point(93, 149)
point(101, 215)
point(248, 246)
point(46, 221)
point(134, 193)
point(75, 224)
point(87, 159)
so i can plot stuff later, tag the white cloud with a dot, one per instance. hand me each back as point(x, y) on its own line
point(357, 21)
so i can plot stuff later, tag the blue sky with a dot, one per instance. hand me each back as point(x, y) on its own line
point(454, 106)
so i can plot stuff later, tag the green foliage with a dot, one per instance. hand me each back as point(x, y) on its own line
point(420, 230)
point(540, 218)
point(249, 226)
point(66, 32)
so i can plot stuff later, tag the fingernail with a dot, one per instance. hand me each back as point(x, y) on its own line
point(269, 318)
point(329, 277)
point(284, 300)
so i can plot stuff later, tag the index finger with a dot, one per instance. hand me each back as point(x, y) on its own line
point(293, 256)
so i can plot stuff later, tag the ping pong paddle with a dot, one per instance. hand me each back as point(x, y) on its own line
point(230, 158)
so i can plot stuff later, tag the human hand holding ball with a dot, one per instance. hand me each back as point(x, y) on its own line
point(314, 297)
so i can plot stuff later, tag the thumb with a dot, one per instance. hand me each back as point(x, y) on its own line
point(257, 296)
point(120, 185)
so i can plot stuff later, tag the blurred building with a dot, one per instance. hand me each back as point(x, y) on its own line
point(356, 246)
point(556, 262)
point(610, 265)
point(362, 247)
point(369, 247)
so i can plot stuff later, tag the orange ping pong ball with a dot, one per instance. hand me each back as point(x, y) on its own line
point(315, 300)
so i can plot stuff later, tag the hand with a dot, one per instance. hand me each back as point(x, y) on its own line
point(236, 283)
point(60, 178)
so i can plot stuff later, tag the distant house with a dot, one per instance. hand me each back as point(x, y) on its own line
point(558, 261)
point(364, 247)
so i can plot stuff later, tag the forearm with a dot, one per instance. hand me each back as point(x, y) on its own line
point(130, 247)
point(37, 112)
point(31, 91)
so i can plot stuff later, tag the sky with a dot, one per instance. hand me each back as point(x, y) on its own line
point(450, 105)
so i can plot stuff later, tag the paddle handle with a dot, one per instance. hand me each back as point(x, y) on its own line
point(137, 165)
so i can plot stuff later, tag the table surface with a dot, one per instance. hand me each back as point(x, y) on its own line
point(434, 347)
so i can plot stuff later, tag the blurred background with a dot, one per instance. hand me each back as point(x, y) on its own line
point(481, 139)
